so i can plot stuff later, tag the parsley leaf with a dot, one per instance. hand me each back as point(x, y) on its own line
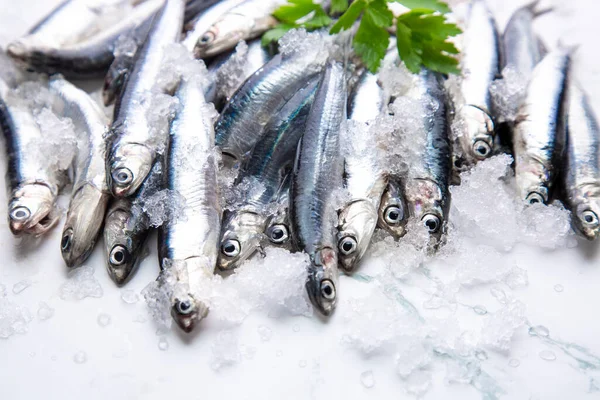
point(435, 5)
point(276, 33)
point(349, 17)
point(295, 10)
point(372, 38)
point(338, 6)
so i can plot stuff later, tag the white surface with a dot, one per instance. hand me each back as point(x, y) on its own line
point(305, 357)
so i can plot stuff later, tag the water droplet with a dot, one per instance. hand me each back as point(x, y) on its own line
point(539, 330)
point(80, 357)
point(296, 328)
point(513, 362)
point(279, 353)
point(265, 333)
point(547, 355)
point(20, 286)
point(481, 355)
point(499, 294)
point(129, 296)
point(367, 379)
point(302, 363)
point(480, 310)
point(103, 320)
point(44, 311)
point(559, 288)
point(163, 345)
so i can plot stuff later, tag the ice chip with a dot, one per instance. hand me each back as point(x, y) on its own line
point(225, 350)
point(81, 283)
point(13, 318)
point(500, 326)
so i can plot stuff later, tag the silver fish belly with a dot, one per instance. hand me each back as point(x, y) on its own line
point(32, 184)
point(364, 175)
point(267, 169)
point(134, 148)
point(188, 247)
point(204, 21)
point(90, 191)
point(317, 174)
point(582, 175)
point(243, 119)
point(540, 128)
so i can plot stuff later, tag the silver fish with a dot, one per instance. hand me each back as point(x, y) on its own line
point(582, 175)
point(271, 160)
point(522, 48)
point(480, 64)
point(188, 247)
point(126, 228)
point(90, 192)
point(134, 148)
point(364, 176)
point(317, 173)
point(392, 215)
point(277, 231)
point(247, 20)
point(426, 185)
point(540, 128)
point(243, 119)
point(32, 184)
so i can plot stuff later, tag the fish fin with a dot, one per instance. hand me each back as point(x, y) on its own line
point(533, 8)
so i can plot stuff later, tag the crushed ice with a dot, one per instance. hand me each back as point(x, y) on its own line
point(80, 284)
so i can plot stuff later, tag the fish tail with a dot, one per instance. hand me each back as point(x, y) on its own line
point(533, 8)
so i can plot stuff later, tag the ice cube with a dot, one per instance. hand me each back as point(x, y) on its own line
point(81, 283)
point(13, 318)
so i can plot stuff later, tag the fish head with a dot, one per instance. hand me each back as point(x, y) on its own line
point(32, 210)
point(187, 311)
point(128, 167)
point(428, 204)
point(119, 242)
point(84, 221)
point(277, 232)
point(240, 238)
point(22, 50)
point(223, 35)
point(476, 141)
point(321, 282)
point(356, 224)
point(392, 213)
point(587, 218)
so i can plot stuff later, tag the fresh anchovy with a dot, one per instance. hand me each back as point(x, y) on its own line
point(540, 130)
point(86, 59)
point(134, 147)
point(243, 119)
point(90, 192)
point(426, 186)
point(317, 174)
point(582, 175)
point(205, 20)
point(277, 231)
point(392, 215)
point(364, 176)
point(480, 65)
point(245, 21)
point(126, 227)
point(522, 48)
point(32, 184)
point(273, 155)
point(188, 247)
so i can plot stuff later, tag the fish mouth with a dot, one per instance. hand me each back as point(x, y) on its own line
point(120, 264)
point(32, 210)
point(587, 220)
point(17, 50)
point(357, 222)
point(187, 312)
point(321, 281)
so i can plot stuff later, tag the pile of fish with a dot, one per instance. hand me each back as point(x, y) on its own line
point(303, 149)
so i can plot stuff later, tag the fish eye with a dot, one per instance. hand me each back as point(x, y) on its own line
point(230, 248)
point(482, 149)
point(347, 245)
point(393, 215)
point(278, 233)
point(431, 222)
point(184, 307)
point(20, 213)
point(535, 198)
point(207, 38)
point(118, 256)
point(327, 289)
point(65, 243)
point(122, 176)
point(589, 218)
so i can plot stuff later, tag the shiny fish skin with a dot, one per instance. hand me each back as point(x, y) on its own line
point(204, 21)
point(246, 20)
point(134, 149)
point(126, 228)
point(364, 176)
point(32, 184)
point(540, 130)
point(90, 192)
point(480, 64)
point(426, 187)
point(269, 164)
point(582, 175)
point(317, 173)
point(188, 247)
point(243, 119)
